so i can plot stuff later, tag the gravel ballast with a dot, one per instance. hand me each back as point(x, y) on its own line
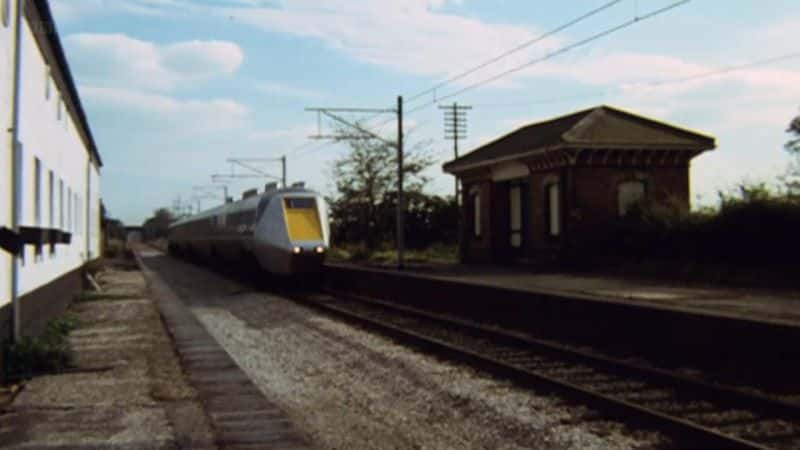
point(349, 388)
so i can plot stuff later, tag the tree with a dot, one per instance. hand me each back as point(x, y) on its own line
point(792, 177)
point(793, 146)
point(366, 185)
point(158, 225)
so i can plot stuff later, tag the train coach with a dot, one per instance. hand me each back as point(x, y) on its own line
point(285, 230)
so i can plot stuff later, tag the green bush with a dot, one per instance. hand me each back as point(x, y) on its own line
point(49, 352)
point(115, 248)
point(751, 228)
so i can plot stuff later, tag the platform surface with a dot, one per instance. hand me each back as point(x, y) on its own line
point(771, 305)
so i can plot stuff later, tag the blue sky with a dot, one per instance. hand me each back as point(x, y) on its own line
point(174, 87)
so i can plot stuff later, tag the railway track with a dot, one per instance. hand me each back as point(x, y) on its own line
point(694, 413)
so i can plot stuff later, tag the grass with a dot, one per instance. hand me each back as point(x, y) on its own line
point(49, 352)
point(435, 254)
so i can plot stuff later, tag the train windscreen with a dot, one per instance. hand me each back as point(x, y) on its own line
point(302, 219)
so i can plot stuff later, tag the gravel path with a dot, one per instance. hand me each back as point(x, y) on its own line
point(348, 388)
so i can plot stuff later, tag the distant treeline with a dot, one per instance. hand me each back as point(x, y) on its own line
point(430, 219)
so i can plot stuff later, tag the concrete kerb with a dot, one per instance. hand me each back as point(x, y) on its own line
point(240, 414)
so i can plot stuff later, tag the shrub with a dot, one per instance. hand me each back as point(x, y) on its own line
point(751, 228)
point(46, 353)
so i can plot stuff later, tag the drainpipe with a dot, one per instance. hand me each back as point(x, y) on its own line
point(87, 213)
point(15, 175)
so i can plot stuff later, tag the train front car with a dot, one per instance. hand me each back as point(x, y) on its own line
point(292, 233)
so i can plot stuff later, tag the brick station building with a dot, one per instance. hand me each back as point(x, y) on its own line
point(528, 194)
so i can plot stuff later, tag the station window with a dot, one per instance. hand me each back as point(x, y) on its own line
point(629, 194)
point(476, 214)
point(37, 191)
point(553, 209)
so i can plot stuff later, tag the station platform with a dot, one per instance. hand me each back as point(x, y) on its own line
point(743, 330)
point(768, 305)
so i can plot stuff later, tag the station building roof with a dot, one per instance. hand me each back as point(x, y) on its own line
point(602, 127)
point(41, 21)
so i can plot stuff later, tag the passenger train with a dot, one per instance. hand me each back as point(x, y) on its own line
point(286, 230)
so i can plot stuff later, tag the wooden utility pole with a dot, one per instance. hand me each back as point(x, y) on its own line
point(401, 210)
point(455, 128)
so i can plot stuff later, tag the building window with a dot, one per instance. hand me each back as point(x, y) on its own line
point(553, 209)
point(77, 220)
point(515, 200)
point(5, 11)
point(37, 191)
point(476, 214)
point(51, 204)
point(61, 204)
point(47, 83)
point(629, 194)
point(69, 209)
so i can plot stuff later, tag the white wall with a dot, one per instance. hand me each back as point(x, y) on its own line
point(48, 132)
point(6, 67)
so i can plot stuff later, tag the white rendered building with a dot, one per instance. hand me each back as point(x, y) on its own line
point(49, 173)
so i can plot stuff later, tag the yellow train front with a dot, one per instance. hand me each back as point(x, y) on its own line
point(286, 230)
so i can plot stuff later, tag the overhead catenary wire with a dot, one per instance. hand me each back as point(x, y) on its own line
point(655, 83)
point(554, 53)
point(513, 50)
point(519, 47)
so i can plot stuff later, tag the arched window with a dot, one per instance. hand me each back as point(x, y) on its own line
point(553, 202)
point(476, 214)
point(629, 194)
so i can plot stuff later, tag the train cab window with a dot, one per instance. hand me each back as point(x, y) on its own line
point(262, 206)
point(299, 203)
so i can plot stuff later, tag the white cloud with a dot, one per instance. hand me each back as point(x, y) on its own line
point(279, 89)
point(405, 36)
point(117, 60)
point(154, 111)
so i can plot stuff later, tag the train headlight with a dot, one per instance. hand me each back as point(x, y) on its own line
point(296, 250)
point(320, 249)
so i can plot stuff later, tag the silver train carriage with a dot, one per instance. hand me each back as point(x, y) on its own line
point(286, 230)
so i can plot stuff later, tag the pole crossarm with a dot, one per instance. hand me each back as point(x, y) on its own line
point(363, 133)
point(327, 112)
point(245, 163)
point(225, 176)
point(363, 110)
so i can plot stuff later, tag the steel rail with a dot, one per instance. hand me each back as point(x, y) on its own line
point(620, 409)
